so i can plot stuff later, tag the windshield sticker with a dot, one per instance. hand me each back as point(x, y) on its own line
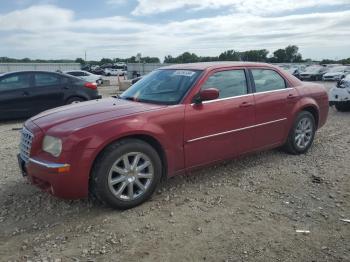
point(184, 73)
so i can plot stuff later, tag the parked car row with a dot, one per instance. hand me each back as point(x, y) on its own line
point(117, 69)
point(318, 72)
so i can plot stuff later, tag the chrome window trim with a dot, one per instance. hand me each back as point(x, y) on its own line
point(272, 91)
point(235, 130)
point(255, 93)
point(47, 164)
point(222, 99)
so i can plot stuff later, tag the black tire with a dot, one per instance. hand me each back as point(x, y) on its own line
point(99, 181)
point(343, 107)
point(291, 145)
point(74, 99)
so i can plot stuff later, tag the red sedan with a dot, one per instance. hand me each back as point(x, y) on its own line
point(173, 120)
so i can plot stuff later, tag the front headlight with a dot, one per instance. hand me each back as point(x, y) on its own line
point(52, 145)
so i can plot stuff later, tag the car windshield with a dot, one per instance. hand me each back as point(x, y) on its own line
point(164, 86)
point(337, 69)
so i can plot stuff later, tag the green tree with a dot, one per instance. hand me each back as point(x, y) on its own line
point(292, 54)
point(106, 61)
point(80, 61)
point(280, 56)
point(254, 55)
point(230, 55)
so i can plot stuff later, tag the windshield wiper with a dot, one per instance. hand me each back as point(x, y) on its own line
point(130, 98)
point(117, 96)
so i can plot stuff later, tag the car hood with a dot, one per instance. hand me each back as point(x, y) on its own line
point(333, 73)
point(83, 114)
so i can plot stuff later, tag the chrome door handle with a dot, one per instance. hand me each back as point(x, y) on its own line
point(291, 96)
point(246, 104)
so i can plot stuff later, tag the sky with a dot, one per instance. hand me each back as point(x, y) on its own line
point(65, 29)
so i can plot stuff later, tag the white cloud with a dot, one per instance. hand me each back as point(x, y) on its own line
point(36, 18)
point(149, 7)
point(51, 32)
point(116, 2)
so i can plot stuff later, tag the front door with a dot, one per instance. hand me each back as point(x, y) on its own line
point(14, 95)
point(219, 129)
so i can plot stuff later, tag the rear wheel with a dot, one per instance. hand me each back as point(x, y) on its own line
point(302, 134)
point(74, 100)
point(126, 174)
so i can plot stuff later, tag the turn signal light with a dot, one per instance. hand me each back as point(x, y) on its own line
point(63, 169)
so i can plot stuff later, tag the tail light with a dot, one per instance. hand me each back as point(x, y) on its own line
point(91, 85)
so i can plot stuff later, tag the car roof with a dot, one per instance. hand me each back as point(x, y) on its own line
point(75, 71)
point(216, 65)
point(29, 71)
point(36, 71)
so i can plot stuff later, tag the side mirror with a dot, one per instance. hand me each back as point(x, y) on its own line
point(206, 95)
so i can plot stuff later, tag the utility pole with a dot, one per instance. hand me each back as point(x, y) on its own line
point(85, 56)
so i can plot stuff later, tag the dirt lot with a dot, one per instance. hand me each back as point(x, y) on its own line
point(243, 210)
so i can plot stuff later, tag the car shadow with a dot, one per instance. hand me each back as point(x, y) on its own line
point(24, 205)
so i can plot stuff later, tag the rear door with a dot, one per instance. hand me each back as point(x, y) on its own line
point(221, 128)
point(48, 91)
point(274, 100)
point(15, 95)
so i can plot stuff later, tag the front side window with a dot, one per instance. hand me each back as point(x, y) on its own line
point(229, 83)
point(267, 80)
point(164, 86)
point(42, 79)
point(12, 82)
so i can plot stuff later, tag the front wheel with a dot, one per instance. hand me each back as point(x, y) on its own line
point(302, 134)
point(126, 174)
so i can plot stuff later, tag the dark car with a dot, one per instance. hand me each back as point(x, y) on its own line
point(27, 93)
point(313, 73)
point(135, 80)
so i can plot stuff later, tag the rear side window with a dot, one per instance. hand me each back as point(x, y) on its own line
point(230, 83)
point(12, 82)
point(42, 79)
point(267, 80)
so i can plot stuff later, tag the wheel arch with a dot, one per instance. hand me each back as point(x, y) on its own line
point(75, 96)
point(314, 111)
point(145, 138)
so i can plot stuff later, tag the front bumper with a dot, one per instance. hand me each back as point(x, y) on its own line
point(339, 95)
point(55, 178)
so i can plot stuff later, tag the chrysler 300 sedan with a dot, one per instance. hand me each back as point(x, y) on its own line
point(173, 120)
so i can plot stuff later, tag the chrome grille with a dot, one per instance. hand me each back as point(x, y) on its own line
point(26, 144)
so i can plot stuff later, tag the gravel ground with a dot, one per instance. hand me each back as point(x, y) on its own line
point(247, 209)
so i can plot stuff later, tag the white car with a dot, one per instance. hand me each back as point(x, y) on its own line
point(114, 72)
point(340, 96)
point(85, 75)
point(336, 73)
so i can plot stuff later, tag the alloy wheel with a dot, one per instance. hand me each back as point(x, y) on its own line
point(303, 133)
point(130, 176)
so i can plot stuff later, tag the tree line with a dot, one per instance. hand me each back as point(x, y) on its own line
point(290, 54)
point(287, 55)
